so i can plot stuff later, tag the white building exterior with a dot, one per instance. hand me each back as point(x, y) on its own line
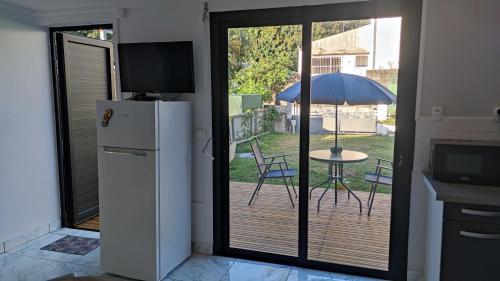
point(371, 47)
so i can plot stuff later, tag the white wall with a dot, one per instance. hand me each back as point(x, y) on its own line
point(462, 51)
point(29, 195)
point(182, 22)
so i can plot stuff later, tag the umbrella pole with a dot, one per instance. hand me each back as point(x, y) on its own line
point(336, 125)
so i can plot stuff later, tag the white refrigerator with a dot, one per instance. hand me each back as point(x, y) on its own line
point(144, 158)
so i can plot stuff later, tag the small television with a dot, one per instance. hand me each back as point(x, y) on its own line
point(160, 67)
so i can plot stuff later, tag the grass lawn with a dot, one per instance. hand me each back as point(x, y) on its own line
point(245, 169)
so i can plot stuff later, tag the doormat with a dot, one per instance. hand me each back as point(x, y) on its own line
point(74, 245)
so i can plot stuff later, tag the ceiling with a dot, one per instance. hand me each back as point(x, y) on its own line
point(42, 5)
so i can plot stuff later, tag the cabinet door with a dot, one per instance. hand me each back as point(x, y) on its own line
point(471, 251)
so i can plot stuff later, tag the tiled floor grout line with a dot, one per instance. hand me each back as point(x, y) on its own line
point(227, 270)
point(54, 261)
point(26, 242)
point(19, 246)
point(288, 275)
point(47, 259)
point(167, 278)
point(21, 255)
point(30, 250)
point(285, 277)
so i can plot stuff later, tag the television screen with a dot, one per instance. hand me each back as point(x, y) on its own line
point(165, 67)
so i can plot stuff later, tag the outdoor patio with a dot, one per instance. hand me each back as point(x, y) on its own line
point(336, 234)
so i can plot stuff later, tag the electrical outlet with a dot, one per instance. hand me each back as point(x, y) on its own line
point(437, 113)
point(496, 114)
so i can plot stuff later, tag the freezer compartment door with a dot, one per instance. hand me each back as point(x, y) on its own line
point(128, 203)
point(130, 124)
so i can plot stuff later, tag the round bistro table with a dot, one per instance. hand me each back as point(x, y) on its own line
point(336, 170)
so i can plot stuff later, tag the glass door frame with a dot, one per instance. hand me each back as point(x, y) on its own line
point(220, 23)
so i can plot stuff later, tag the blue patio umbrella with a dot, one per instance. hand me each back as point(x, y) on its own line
point(341, 88)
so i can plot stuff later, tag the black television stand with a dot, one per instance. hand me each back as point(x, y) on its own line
point(143, 96)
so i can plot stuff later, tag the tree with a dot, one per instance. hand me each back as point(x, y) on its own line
point(93, 33)
point(263, 60)
point(329, 28)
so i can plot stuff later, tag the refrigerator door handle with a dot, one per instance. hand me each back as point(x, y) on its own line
point(124, 151)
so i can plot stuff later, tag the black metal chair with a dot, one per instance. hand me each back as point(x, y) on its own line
point(265, 166)
point(378, 178)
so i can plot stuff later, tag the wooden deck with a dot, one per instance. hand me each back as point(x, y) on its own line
point(336, 234)
point(90, 224)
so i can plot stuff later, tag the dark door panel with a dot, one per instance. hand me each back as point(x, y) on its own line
point(86, 71)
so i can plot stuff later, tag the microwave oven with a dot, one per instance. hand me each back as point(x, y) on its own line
point(466, 161)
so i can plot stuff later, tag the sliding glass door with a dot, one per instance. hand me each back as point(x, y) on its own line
point(309, 166)
point(263, 142)
point(354, 78)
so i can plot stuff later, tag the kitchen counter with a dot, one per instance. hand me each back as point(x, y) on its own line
point(464, 217)
point(462, 193)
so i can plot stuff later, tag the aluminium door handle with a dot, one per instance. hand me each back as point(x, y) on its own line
point(480, 213)
point(479, 235)
point(122, 151)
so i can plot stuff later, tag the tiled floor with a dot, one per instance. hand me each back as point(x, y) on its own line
point(28, 262)
point(214, 268)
